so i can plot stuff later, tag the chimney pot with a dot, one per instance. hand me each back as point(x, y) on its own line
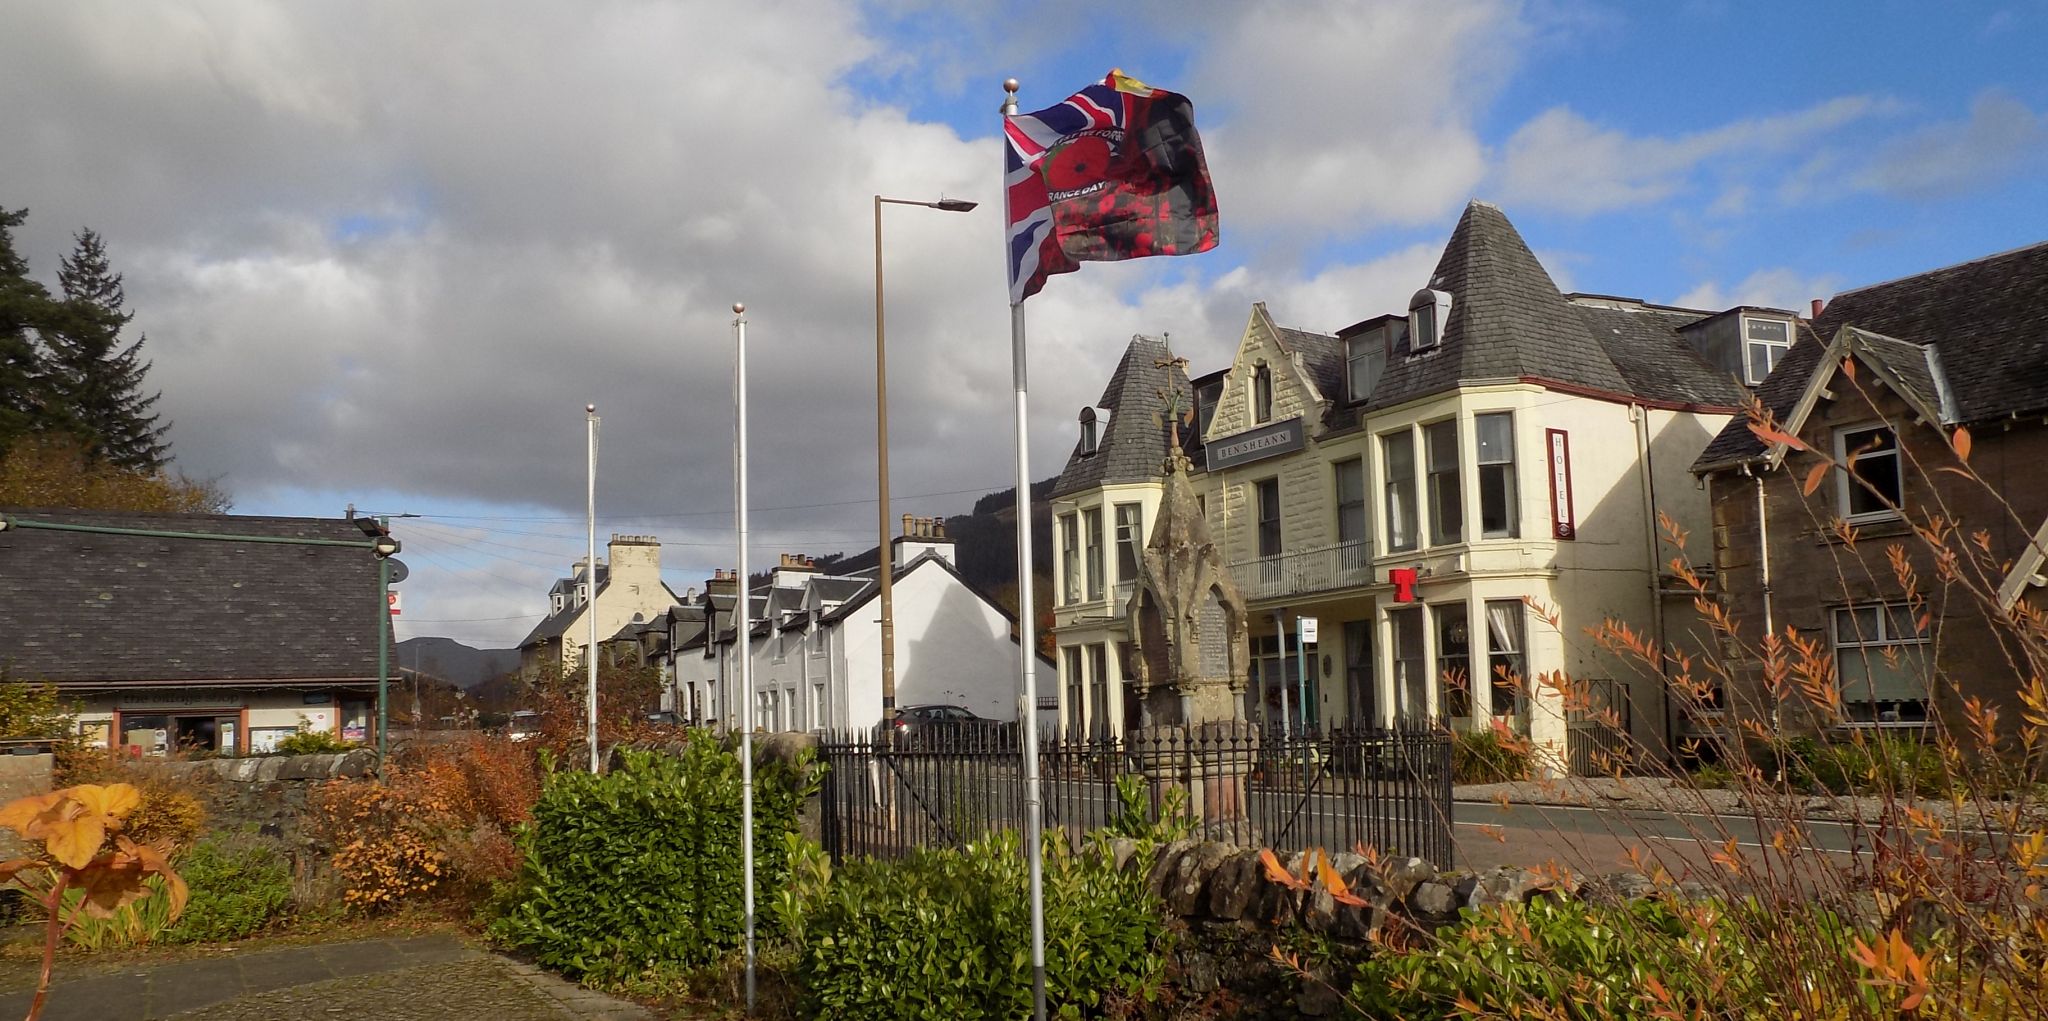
point(1818, 304)
point(907, 519)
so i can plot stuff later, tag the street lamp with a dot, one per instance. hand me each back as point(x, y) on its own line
point(882, 448)
point(384, 545)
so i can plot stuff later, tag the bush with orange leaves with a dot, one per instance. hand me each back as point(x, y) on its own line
point(439, 822)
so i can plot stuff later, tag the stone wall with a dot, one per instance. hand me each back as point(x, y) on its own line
point(21, 776)
point(1234, 913)
point(268, 793)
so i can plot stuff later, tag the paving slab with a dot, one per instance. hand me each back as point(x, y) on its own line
point(387, 980)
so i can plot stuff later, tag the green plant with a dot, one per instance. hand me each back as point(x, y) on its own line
point(1134, 818)
point(1583, 962)
point(313, 742)
point(238, 884)
point(130, 925)
point(32, 710)
point(1713, 778)
point(944, 934)
point(635, 873)
point(1488, 756)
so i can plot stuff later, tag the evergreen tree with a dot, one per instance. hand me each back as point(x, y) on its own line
point(100, 381)
point(25, 308)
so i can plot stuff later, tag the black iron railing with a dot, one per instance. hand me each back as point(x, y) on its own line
point(1386, 790)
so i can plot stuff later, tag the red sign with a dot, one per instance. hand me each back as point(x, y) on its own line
point(391, 599)
point(1403, 579)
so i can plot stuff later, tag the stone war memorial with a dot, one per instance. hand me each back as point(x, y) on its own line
point(1187, 626)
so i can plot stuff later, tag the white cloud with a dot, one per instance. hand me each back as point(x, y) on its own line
point(2000, 137)
point(1343, 116)
point(1778, 287)
point(1560, 160)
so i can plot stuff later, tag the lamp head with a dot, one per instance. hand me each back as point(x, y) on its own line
point(954, 205)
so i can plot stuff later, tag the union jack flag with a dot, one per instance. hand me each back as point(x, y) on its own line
point(1113, 172)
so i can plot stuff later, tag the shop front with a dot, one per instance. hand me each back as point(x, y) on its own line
point(221, 721)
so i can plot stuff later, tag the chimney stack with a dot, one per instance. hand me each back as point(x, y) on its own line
point(792, 571)
point(920, 536)
point(722, 583)
point(1818, 304)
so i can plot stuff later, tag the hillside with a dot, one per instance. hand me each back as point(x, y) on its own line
point(453, 661)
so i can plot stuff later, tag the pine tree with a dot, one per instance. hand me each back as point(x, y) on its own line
point(25, 308)
point(100, 380)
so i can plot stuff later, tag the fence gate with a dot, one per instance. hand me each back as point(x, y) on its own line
point(1597, 733)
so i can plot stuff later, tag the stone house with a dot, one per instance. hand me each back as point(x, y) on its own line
point(1453, 493)
point(1882, 384)
point(629, 594)
point(169, 639)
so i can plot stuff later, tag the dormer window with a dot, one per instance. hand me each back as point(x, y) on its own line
point(1365, 358)
point(1093, 422)
point(1262, 393)
point(559, 601)
point(1427, 313)
point(582, 593)
point(1764, 341)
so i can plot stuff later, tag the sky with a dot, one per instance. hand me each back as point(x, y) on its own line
point(385, 252)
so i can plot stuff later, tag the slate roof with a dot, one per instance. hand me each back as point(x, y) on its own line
point(1656, 362)
point(1133, 448)
point(1322, 360)
point(1987, 320)
point(1507, 321)
point(82, 607)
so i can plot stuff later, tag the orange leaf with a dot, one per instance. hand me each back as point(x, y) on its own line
point(112, 800)
point(1332, 881)
point(1813, 478)
point(1960, 440)
point(1277, 872)
point(1770, 434)
point(1849, 367)
point(75, 840)
point(20, 813)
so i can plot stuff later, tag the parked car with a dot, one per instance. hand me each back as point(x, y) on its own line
point(664, 718)
point(524, 725)
point(948, 725)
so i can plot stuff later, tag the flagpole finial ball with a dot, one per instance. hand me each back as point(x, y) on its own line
point(739, 308)
point(590, 409)
point(1009, 85)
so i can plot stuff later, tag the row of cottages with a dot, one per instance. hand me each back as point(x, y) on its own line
point(623, 592)
point(1454, 494)
point(816, 642)
point(204, 633)
point(1884, 385)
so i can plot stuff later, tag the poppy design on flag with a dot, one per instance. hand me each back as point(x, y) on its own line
point(1114, 172)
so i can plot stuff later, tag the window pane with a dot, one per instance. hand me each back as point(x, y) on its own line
point(1070, 560)
point(1091, 522)
point(1496, 438)
point(1130, 539)
point(1761, 358)
point(1398, 461)
point(1453, 660)
point(1425, 327)
point(1411, 699)
point(1269, 517)
point(1350, 501)
point(1902, 623)
point(1446, 500)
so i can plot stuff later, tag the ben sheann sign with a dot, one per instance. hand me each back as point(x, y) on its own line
point(1255, 445)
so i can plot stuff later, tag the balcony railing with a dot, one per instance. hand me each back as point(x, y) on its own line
point(1316, 570)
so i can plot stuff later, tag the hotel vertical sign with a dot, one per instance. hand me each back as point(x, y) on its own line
point(1564, 524)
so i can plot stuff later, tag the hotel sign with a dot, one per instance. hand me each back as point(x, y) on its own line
point(1254, 445)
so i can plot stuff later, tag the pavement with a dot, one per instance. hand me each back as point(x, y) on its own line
point(426, 977)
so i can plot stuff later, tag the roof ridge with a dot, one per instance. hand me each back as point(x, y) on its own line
point(1994, 256)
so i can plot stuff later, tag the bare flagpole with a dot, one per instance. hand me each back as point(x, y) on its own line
point(590, 578)
point(1027, 636)
point(743, 623)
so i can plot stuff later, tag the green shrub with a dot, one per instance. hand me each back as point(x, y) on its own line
point(635, 874)
point(1484, 757)
point(238, 883)
point(313, 742)
point(1713, 778)
point(131, 925)
point(945, 936)
point(32, 710)
point(1866, 764)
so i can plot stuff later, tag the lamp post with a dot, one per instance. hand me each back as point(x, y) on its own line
point(882, 449)
point(384, 547)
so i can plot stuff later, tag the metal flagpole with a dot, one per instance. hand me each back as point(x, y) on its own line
point(744, 625)
point(1027, 638)
point(590, 578)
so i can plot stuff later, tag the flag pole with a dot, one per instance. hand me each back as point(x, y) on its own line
point(590, 578)
point(1027, 637)
point(744, 625)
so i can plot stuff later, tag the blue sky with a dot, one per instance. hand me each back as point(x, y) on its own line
point(384, 252)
